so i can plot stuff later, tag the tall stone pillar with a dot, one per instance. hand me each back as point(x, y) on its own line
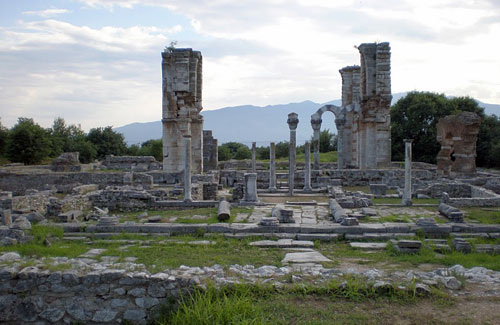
point(254, 153)
point(408, 158)
point(272, 167)
point(340, 143)
point(181, 106)
point(187, 168)
point(307, 168)
point(250, 188)
point(316, 126)
point(293, 121)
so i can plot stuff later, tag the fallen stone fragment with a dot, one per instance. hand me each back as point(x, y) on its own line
point(370, 246)
point(305, 257)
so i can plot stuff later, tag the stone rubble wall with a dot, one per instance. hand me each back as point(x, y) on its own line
point(135, 163)
point(18, 183)
point(111, 296)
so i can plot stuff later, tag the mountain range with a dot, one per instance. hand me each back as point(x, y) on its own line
point(248, 123)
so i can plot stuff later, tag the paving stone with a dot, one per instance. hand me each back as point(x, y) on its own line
point(305, 257)
point(370, 246)
point(93, 252)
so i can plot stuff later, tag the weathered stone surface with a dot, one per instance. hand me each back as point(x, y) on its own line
point(452, 213)
point(67, 162)
point(305, 257)
point(378, 189)
point(224, 210)
point(104, 316)
point(457, 135)
point(52, 314)
point(369, 246)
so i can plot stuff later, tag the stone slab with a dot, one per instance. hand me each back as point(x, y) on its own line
point(305, 257)
point(370, 246)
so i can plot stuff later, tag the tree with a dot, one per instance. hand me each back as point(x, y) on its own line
point(4, 135)
point(224, 154)
point(107, 141)
point(243, 152)
point(152, 148)
point(262, 153)
point(327, 141)
point(28, 142)
point(415, 117)
point(282, 149)
point(228, 151)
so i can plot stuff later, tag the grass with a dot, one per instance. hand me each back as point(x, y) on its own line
point(293, 304)
point(324, 157)
point(364, 189)
point(398, 201)
point(207, 215)
point(483, 215)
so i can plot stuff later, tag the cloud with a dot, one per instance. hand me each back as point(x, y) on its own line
point(47, 12)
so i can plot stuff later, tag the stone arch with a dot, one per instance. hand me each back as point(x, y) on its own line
point(316, 126)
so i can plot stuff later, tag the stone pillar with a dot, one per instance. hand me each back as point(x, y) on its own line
point(250, 188)
point(316, 126)
point(340, 143)
point(407, 189)
point(272, 167)
point(254, 153)
point(187, 168)
point(293, 121)
point(307, 168)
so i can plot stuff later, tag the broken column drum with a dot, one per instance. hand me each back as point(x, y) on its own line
point(187, 168)
point(182, 103)
point(250, 188)
point(272, 167)
point(408, 159)
point(293, 121)
point(307, 167)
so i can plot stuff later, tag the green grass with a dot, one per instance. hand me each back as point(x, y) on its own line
point(292, 304)
point(483, 215)
point(364, 189)
point(186, 216)
point(399, 201)
point(324, 157)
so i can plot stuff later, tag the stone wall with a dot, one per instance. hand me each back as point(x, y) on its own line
point(18, 183)
point(182, 98)
point(210, 151)
point(134, 163)
point(457, 135)
point(109, 296)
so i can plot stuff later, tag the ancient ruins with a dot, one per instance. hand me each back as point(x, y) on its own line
point(457, 135)
point(127, 204)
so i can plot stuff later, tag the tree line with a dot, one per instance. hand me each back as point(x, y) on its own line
point(29, 143)
point(413, 117)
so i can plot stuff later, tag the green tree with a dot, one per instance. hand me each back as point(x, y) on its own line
point(228, 150)
point(4, 135)
point(107, 141)
point(415, 117)
point(152, 148)
point(28, 142)
point(243, 152)
point(262, 153)
point(224, 154)
point(327, 141)
point(282, 149)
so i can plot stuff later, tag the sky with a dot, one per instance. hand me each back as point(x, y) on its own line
point(98, 62)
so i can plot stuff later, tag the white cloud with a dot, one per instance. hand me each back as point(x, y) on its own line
point(47, 12)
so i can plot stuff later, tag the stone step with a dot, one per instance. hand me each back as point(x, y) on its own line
point(283, 243)
point(305, 257)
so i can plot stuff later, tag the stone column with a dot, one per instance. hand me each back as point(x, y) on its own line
point(307, 168)
point(272, 167)
point(293, 121)
point(407, 189)
point(316, 126)
point(254, 152)
point(187, 168)
point(250, 188)
point(340, 142)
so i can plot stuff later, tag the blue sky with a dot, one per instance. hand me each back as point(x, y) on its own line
point(97, 62)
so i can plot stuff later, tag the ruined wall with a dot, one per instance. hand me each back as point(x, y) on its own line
point(109, 296)
point(457, 135)
point(135, 163)
point(182, 95)
point(351, 106)
point(210, 151)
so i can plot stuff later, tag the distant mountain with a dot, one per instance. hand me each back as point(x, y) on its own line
point(249, 123)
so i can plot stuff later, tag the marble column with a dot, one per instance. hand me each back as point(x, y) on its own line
point(307, 168)
point(316, 126)
point(250, 188)
point(293, 121)
point(272, 167)
point(187, 168)
point(254, 153)
point(408, 158)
